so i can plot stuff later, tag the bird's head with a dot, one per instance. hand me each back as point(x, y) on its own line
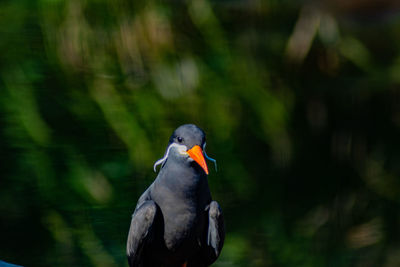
point(187, 142)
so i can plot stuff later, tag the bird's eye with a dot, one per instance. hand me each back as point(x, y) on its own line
point(180, 139)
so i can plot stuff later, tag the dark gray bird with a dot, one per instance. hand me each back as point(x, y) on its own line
point(175, 222)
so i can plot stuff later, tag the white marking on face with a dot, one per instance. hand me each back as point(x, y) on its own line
point(181, 149)
point(209, 158)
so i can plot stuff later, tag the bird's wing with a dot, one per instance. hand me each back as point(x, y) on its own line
point(214, 239)
point(141, 231)
point(216, 229)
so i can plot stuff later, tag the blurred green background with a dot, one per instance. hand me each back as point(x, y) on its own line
point(300, 101)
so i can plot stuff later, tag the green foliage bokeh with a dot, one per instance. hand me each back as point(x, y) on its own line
point(300, 102)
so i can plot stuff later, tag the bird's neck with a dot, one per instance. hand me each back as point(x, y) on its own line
point(184, 180)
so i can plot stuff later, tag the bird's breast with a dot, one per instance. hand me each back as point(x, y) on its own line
point(180, 215)
point(182, 198)
point(179, 226)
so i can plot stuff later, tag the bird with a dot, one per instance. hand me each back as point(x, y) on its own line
point(176, 223)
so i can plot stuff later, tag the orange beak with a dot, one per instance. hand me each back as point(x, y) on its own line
point(197, 155)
